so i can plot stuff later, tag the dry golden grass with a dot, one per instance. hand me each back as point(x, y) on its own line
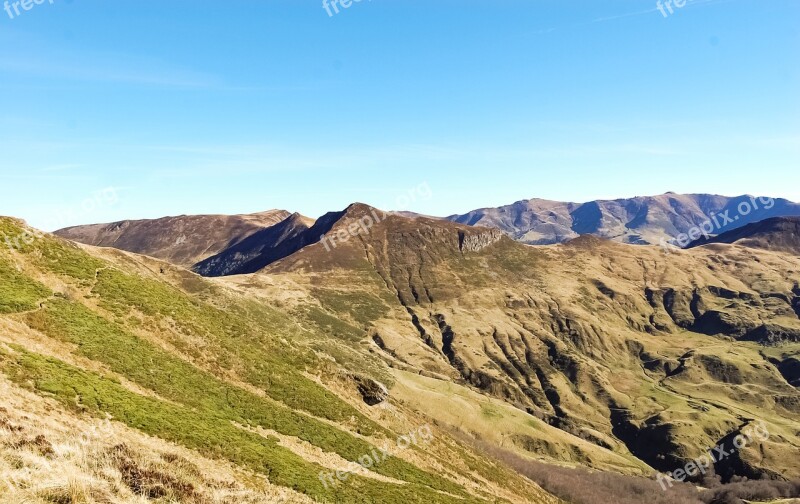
point(494, 421)
point(48, 455)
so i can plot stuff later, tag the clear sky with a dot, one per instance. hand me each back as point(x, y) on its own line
point(240, 106)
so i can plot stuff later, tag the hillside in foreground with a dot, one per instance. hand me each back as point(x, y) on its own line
point(126, 379)
point(529, 365)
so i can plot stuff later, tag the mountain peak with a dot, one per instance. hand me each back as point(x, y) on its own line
point(361, 209)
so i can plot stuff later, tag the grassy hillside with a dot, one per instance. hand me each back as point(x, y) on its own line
point(227, 378)
point(604, 355)
point(620, 359)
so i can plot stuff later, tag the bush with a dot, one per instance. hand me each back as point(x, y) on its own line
point(17, 292)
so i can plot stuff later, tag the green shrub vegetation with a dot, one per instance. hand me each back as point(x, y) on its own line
point(362, 307)
point(178, 381)
point(242, 335)
point(51, 254)
point(330, 325)
point(18, 293)
point(210, 433)
point(66, 260)
point(245, 334)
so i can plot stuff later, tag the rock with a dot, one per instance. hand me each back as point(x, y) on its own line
point(475, 242)
point(790, 369)
point(373, 392)
point(717, 322)
point(773, 334)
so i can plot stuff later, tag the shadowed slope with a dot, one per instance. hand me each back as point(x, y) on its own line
point(259, 249)
point(780, 234)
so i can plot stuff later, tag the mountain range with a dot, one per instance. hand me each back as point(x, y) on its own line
point(214, 245)
point(641, 220)
point(577, 372)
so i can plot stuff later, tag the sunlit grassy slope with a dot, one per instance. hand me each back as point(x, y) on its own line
point(167, 355)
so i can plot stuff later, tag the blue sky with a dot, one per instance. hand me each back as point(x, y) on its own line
point(240, 106)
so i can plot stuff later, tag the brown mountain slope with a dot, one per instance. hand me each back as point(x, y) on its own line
point(259, 249)
point(640, 220)
point(184, 240)
point(634, 355)
point(780, 234)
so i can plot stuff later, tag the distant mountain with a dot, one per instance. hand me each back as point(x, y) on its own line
point(780, 234)
point(184, 240)
point(640, 220)
point(218, 245)
point(329, 233)
point(260, 248)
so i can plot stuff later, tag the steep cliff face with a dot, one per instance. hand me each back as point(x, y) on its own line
point(469, 242)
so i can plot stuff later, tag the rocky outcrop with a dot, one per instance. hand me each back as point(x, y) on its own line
point(719, 311)
point(715, 322)
point(475, 242)
point(773, 334)
point(720, 370)
point(790, 369)
point(372, 391)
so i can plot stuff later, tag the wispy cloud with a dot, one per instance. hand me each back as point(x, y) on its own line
point(791, 142)
point(622, 16)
